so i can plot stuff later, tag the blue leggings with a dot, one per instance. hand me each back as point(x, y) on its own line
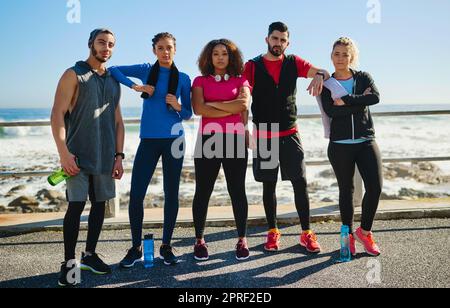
point(147, 157)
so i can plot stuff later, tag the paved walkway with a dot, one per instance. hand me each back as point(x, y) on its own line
point(415, 253)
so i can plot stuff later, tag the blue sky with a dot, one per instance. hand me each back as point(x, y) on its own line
point(407, 53)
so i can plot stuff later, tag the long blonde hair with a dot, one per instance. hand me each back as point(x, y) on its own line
point(354, 51)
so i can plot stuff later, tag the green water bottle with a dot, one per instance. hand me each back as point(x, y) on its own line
point(59, 176)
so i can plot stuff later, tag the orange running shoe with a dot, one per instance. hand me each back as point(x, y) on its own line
point(273, 240)
point(309, 240)
point(368, 242)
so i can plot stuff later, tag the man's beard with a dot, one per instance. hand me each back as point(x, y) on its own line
point(95, 54)
point(274, 52)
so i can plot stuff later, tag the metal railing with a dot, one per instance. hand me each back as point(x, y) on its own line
point(307, 116)
point(358, 181)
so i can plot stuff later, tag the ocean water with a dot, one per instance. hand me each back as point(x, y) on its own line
point(397, 136)
point(33, 149)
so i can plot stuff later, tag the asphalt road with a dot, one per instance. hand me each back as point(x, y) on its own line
point(416, 253)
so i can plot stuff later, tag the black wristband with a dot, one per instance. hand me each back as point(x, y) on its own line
point(321, 74)
point(120, 154)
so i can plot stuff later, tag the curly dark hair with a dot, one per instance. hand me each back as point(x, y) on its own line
point(236, 63)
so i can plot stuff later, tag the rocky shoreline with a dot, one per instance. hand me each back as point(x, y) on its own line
point(54, 201)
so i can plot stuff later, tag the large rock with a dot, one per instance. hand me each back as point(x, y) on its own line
point(327, 174)
point(61, 207)
point(13, 191)
point(393, 171)
point(50, 195)
point(315, 186)
point(423, 172)
point(124, 201)
point(186, 201)
point(188, 176)
point(27, 204)
point(18, 188)
point(428, 173)
point(417, 194)
point(150, 201)
point(155, 180)
point(24, 201)
point(36, 168)
point(385, 196)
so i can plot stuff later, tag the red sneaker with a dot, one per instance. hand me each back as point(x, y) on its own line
point(201, 251)
point(242, 251)
point(309, 240)
point(368, 242)
point(352, 245)
point(273, 241)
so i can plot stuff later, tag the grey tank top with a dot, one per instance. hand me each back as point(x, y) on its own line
point(91, 127)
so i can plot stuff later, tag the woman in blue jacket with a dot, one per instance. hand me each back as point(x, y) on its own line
point(162, 135)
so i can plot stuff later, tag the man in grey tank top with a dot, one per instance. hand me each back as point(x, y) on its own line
point(88, 129)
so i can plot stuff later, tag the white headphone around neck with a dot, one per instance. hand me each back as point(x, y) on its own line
point(219, 78)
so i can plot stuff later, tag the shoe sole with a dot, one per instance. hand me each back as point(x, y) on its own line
point(362, 243)
point(271, 250)
point(133, 264)
point(201, 259)
point(169, 264)
point(242, 259)
point(66, 285)
point(88, 268)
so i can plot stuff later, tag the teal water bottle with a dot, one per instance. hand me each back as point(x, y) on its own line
point(149, 251)
point(345, 244)
point(59, 176)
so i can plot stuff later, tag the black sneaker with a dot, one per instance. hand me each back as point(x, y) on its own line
point(134, 255)
point(94, 264)
point(167, 255)
point(64, 275)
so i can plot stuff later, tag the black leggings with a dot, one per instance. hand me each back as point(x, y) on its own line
point(206, 172)
point(72, 227)
point(344, 158)
point(301, 203)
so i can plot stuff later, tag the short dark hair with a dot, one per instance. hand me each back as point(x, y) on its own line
point(278, 26)
point(163, 35)
point(96, 33)
point(236, 63)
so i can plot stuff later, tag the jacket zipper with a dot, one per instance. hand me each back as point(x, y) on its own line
point(353, 117)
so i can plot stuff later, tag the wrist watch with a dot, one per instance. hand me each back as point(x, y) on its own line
point(120, 154)
point(321, 74)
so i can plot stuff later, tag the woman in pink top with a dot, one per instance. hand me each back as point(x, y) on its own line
point(221, 96)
